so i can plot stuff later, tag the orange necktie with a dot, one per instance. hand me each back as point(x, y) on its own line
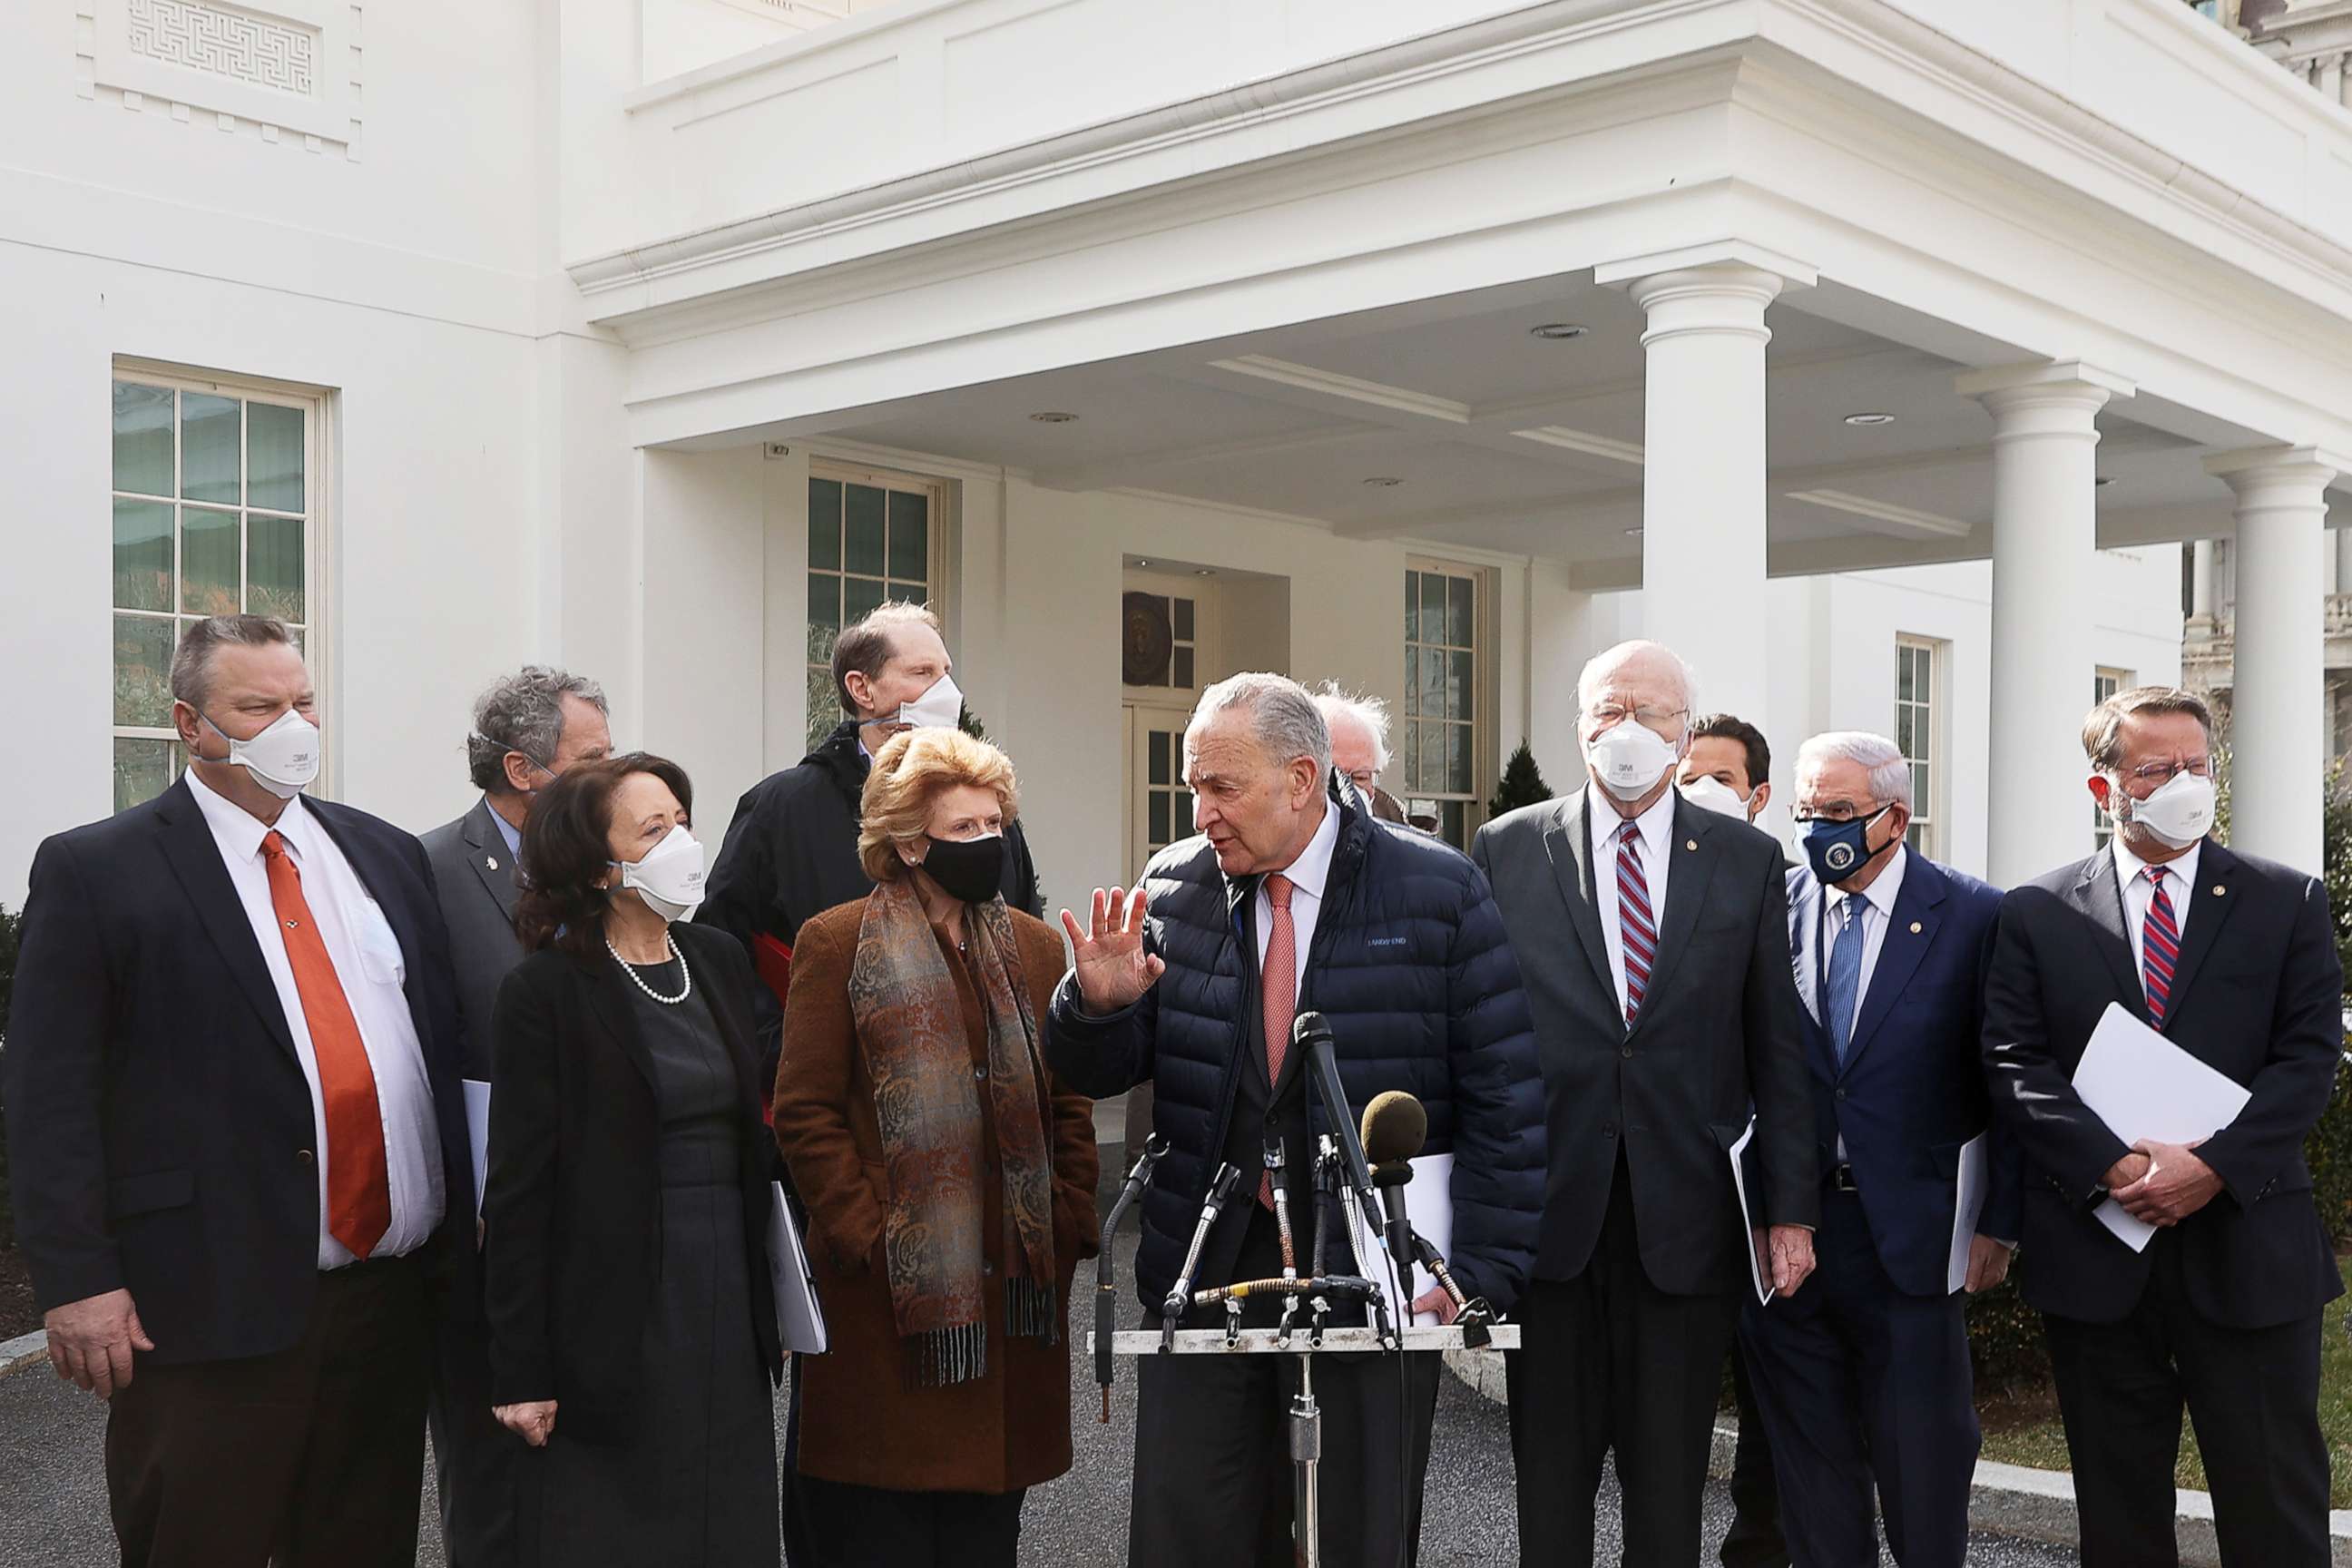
point(359, 1182)
point(1278, 986)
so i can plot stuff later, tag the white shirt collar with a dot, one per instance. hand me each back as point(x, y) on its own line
point(1312, 869)
point(238, 832)
point(1655, 825)
point(1881, 893)
point(2128, 866)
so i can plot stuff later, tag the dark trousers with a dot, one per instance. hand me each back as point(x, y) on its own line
point(2254, 1394)
point(866, 1527)
point(1608, 1361)
point(310, 1458)
point(1858, 1383)
point(474, 1457)
point(1754, 1540)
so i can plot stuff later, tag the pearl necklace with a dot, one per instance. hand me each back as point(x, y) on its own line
point(639, 980)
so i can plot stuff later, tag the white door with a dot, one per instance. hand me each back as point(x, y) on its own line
point(1158, 806)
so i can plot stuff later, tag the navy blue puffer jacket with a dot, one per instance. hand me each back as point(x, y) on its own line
point(1409, 965)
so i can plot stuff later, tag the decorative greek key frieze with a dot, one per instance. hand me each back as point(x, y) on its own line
point(255, 50)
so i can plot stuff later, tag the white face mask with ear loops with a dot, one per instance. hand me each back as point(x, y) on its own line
point(1629, 756)
point(284, 758)
point(669, 878)
point(1711, 794)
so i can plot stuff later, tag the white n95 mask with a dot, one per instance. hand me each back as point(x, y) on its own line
point(284, 758)
point(1629, 757)
point(669, 875)
point(1711, 794)
point(2179, 814)
point(941, 708)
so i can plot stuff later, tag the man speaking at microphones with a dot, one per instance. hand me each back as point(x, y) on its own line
point(1292, 898)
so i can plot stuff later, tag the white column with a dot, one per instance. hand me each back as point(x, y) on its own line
point(2044, 536)
point(2200, 580)
point(1702, 479)
point(2278, 739)
point(2340, 547)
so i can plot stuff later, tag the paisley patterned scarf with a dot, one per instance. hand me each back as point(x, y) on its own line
point(911, 1028)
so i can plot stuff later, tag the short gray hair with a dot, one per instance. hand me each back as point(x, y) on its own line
point(192, 662)
point(2103, 727)
point(1890, 769)
point(1370, 711)
point(1609, 659)
point(1285, 720)
point(523, 712)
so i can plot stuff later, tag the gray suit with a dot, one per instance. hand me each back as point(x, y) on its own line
point(475, 873)
point(474, 1457)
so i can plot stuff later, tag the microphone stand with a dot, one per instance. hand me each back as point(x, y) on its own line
point(1139, 1176)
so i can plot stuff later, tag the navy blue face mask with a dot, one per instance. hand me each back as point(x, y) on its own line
point(1838, 851)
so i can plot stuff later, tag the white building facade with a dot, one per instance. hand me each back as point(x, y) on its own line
point(1881, 355)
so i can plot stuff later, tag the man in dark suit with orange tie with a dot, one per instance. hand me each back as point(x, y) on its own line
point(2233, 960)
point(235, 1131)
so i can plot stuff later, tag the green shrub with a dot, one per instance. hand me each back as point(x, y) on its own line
point(1522, 783)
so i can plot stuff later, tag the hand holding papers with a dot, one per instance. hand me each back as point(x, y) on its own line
point(2144, 1088)
point(1760, 1257)
point(1968, 1206)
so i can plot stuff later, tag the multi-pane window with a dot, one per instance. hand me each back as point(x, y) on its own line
point(872, 537)
point(1167, 804)
point(215, 499)
point(1918, 711)
point(1443, 727)
point(2105, 683)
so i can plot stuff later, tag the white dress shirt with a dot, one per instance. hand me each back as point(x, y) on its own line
point(2180, 883)
point(367, 959)
point(1657, 829)
point(1307, 876)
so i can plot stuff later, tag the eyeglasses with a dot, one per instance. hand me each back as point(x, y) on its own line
point(1839, 811)
point(1613, 713)
point(1364, 778)
point(2161, 773)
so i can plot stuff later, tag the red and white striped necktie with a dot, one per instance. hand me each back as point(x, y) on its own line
point(1636, 925)
point(2159, 947)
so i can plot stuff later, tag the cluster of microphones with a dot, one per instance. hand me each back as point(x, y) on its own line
point(1359, 1174)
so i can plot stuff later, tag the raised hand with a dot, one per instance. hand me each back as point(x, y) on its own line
point(1112, 968)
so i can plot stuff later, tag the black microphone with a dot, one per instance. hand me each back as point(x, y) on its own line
point(1395, 1127)
point(1312, 1033)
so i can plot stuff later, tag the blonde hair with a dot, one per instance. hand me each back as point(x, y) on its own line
point(911, 773)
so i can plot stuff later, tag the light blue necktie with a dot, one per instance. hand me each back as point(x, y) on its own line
point(1846, 976)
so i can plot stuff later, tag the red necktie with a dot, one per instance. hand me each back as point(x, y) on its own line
point(359, 1182)
point(2159, 947)
point(1278, 988)
point(1636, 926)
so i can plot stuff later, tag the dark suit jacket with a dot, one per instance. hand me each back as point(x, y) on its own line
point(2254, 995)
point(1717, 1032)
point(160, 1130)
point(1912, 1091)
point(573, 1206)
point(474, 871)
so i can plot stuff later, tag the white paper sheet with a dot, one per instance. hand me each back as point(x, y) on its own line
point(1759, 1259)
point(2143, 1086)
point(478, 1133)
point(800, 1321)
point(1967, 1206)
point(1429, 1202)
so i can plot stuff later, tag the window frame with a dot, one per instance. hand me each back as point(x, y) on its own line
point(1484, 696)
point(936, 552)
point(1929, 810)
point(320, 494)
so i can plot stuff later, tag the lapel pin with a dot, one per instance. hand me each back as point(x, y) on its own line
point(1915, 928)
point(1690, 843)
point(492, 861)
point(2217, 890)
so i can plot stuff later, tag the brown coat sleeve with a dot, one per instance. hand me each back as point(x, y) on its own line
point(818, 1080)
point(1076, 1165)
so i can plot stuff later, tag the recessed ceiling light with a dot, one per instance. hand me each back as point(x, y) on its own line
point(1384, 481)
point(1870, 419)
point(1140, 561)
point(1055, 416)
point(1556, 331)
point(1204, 571)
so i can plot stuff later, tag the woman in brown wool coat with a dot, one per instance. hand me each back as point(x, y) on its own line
point(949, 1185)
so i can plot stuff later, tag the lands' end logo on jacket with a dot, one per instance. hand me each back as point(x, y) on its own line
point(1386, 941)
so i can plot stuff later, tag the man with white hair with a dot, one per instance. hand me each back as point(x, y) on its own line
point(1653, 935)
point(1359, 744)
point(1864, 1378)
point(1289, 899)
